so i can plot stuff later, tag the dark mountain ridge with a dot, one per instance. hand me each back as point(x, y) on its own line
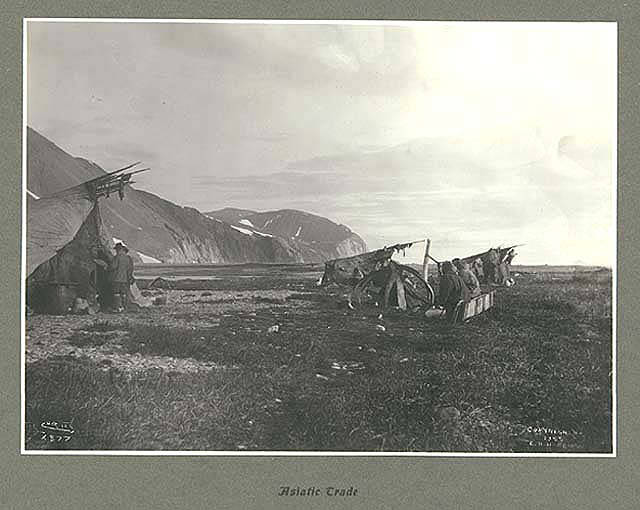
point(158, 230)
point(321, 235)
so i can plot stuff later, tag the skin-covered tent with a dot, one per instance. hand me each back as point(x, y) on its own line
point(64, 238)
point(68, 251)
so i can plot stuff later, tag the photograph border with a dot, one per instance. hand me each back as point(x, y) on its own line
point(296, 453)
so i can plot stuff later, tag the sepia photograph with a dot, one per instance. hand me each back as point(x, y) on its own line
point(362, 238)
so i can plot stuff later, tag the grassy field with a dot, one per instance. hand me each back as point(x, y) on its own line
point(204, 372)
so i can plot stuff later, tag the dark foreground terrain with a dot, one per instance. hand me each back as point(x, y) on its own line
point(264, 360)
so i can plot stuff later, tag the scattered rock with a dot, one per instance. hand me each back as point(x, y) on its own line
point(347, 365)
point(449, 414)
point(81, 307)
point(380, 327)
point(273, 329)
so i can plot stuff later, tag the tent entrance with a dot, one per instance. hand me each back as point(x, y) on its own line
point(53, 298)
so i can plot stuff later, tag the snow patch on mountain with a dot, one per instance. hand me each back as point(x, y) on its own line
point(242, 230)
point(146, 259)
point(269, 222)
point(262, 234)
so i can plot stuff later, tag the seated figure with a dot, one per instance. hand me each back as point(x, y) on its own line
point(468, 277)
point(452, 291)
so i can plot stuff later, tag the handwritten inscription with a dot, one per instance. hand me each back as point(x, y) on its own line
point(543, 438)
point(51, 431)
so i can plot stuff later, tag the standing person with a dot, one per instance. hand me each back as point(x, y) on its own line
point(122, 276)
point(468, 277)
point(490, 266)
point(452, 291)
point(477, 269)
point(503, 273)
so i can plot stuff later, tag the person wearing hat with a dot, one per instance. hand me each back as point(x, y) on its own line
point(122, 276)
point(452, 291)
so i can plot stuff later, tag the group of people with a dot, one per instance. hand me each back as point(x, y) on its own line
point(113, 277)
point(460, 279)
point(457, 283)
point(493, 268)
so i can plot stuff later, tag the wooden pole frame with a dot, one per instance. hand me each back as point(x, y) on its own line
point(425, 262)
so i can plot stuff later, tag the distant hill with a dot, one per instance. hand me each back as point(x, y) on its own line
point(318, 237)
point(161, 231)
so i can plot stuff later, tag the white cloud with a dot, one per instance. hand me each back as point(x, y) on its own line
point(463, 117)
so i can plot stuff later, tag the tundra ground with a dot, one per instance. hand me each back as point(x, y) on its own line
point(264, 360)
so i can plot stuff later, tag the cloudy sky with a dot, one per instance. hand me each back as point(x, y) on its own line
point(474, 134)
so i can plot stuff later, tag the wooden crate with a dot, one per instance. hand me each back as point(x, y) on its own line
point(478, 305)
